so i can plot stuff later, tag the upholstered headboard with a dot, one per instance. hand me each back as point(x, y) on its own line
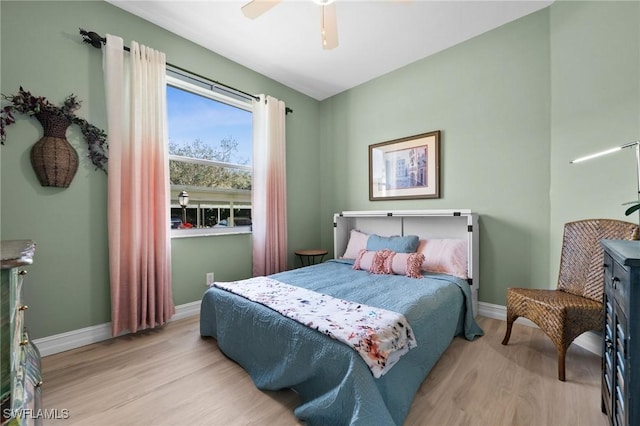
point(426, 224)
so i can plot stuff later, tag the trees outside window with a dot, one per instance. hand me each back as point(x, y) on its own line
point(209, 157)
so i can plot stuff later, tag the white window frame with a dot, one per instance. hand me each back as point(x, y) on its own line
point(244, 104)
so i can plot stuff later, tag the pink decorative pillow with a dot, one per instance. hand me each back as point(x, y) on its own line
point(381, 263)
point(445, 256)
point(409, 264)
point(388, 262)
point(364, 260)
point(357, 242)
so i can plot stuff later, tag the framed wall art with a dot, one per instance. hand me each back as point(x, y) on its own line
point(407, 168)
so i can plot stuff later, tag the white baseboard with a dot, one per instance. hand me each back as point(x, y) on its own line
point(97, 333)
point(590, 340)
point(85, 336)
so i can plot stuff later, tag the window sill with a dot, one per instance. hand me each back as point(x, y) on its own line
point(209, 232)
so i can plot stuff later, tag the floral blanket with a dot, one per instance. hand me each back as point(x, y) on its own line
point(380, 336)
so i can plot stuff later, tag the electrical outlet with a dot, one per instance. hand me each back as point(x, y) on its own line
point(210, 279)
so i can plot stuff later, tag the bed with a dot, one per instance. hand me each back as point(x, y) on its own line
point(334, 383)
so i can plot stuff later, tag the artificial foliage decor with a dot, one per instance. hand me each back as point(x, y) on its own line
point(55, 121)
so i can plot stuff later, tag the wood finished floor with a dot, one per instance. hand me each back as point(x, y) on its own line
point(174, 377)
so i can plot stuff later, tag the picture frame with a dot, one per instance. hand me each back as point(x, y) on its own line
point(406, 168)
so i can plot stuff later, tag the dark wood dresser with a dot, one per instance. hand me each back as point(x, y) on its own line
point(20, 378)
point(621, 343)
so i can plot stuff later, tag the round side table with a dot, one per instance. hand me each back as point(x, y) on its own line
point(309, 256)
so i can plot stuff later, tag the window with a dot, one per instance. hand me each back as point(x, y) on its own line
point(210, 157)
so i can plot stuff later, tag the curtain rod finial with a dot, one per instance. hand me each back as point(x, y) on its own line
point(92, 38)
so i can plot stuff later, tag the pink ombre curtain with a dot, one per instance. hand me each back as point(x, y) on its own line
point(138, 188)
point(269, 191)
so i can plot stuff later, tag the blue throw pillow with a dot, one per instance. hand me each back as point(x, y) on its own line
point(406, 244)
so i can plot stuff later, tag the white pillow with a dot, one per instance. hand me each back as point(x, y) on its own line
point(357, 242)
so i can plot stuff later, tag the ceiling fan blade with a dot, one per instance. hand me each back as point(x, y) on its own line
point(255, 8)
point(329, 27)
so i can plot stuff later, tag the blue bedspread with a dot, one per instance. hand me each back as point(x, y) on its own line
point(334, 383)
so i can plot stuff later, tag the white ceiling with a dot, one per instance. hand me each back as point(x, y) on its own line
point(375, 37)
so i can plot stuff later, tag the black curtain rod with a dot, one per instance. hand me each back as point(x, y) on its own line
point(95, 40)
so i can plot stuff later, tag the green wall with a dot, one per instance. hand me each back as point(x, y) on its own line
point(68, 286)
point(595, 93)
point(514, 106)
point(490, 98)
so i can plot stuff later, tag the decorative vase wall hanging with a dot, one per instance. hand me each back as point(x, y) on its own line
point(53, 158)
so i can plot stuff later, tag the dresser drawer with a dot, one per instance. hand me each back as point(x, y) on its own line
point(17, 336)
point(27, 380)
point(621, 289)
point(608, 266)
point(16, 289)
point(616, 280)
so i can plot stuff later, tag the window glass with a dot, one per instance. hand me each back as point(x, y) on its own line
point(210, 157)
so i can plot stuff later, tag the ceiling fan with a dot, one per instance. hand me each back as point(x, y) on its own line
point(328, 25)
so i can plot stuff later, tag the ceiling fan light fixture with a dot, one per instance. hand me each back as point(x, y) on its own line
point(255, 8)
point(328, 27)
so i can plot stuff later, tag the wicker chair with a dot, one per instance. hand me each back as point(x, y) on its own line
point(576, 305)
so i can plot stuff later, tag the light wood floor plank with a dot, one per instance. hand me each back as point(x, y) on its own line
point(172, 376)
